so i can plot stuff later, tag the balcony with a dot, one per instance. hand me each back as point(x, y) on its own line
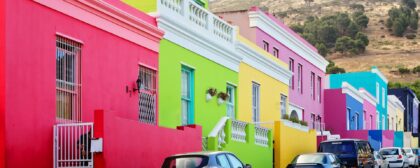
point(318, 126)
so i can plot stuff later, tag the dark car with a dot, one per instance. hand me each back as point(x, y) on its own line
point(315, 160)
point(351, 152)
point(204, 160)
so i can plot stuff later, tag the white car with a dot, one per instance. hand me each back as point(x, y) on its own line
point(380, 161)
point(412, 157)
point(395, 156)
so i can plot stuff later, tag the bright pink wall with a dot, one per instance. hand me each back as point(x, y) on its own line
point(387, 138)
point(128, 143)
point(356, 134)
point(370, 110)
point(2, 82)
point(109, 63)
point(335, 111)
point(240, 19)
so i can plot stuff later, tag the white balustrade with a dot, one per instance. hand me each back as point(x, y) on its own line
point(238, 131)
point(261, 136)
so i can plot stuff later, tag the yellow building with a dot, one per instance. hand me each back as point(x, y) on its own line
point(263, 85)
point(397, 109)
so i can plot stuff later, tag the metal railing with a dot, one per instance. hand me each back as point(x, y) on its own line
point(238, 131)
point(147, 107)
point(261, 136)
point(318, 126)
point(72, 145)
point(199, 16)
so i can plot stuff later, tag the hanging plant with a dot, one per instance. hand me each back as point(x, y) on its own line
point(222, 97)
point(210, 93)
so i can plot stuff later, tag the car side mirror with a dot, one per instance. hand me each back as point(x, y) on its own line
point(248, 166)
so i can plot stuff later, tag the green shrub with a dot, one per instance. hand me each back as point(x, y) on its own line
point(304, 123)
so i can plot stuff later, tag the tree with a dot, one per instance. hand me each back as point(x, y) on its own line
point(322, 49)
point(335, 70)
point(362, 37)
point(403, 71)
point(327, 34)
point(343, 21)
point(298, 28)
point(416, 70)
point(362, 21)
point(414, 23)
point(398, 28)
point(352, 30)
point(344, 44)
point(409, 3)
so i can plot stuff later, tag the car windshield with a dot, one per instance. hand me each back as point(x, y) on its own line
point(310, 158)
point(407, 150)
point(416, 151)
point(338, 147)
point(186, 162)
point(389, 152)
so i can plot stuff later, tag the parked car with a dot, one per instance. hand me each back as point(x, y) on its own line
point(395, 156)
point(380, 161)
point(218, 159)
point(412, 157)
point(351, 152)
point(315, 160)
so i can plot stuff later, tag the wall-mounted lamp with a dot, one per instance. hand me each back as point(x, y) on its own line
point(134, 88)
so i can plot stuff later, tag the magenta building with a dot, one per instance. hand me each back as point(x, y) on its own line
point(56, 54)
point(308, 67)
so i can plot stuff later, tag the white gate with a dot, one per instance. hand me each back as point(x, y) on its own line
point(72, 143)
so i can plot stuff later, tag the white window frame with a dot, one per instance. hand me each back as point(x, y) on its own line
point(189, 98)
point(383, 97)
point(319, 88)
point(255, 102)
point(292, 69)
point(283, 105)
point(383, 122)
point(230, 104)
point(300, 77)
point(377, 92)
point(348, 119)
point(313, 85)
point(378, 118)
point(147, 95)
point(357, 120)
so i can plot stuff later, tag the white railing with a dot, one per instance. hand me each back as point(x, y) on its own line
point(193, 14)
point(318, 126)
point(204, 143)
point(72, 145)
point(238, 131)
point(261, 136)
point(219, 132)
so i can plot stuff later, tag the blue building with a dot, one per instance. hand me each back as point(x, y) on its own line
point(372, 81)
point(411, 112)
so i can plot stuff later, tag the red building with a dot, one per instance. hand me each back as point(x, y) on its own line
point(60, 60)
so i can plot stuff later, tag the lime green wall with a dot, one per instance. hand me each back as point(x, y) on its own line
point(143, 5)
point(207, 74)
point(246, 151)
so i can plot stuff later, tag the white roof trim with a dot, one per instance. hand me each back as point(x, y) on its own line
point(416, 100)
point(262, 21)
point(380, 74)
point(367, 96)
point(396, 102)
point(346, 88)
point(263, 64)
point(296, 106)
point(181, 34)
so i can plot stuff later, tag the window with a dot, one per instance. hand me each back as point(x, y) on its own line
point(383, 97)
point(392, 123)
point(147, 95)
point(234, 161)
point(223, 161)
point(313, 120)
point(292, 69)
point(377, 121)
point(187, 95)
point(364, 120)
point(266, 46)
point(356, 121)
point(68, 80)
point(319, 89)
point(276, 52)
point(348, 118)
point(313, 85)
point(371, 122)
point(383, 122)
point(230, 104)
point(300, 89)
point(377, 92)
point(255, 102)
point(283, 102)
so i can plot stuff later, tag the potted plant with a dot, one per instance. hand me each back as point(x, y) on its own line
point(210, 93)
point(222, 97)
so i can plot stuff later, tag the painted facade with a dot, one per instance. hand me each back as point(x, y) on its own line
point(395, 113)
point(407, 97)
point(374, 82)
point(305, 63)
point(399, 139)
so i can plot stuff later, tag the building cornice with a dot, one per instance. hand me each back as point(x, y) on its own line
point(263, 22)
point(346, 88)
point(380, 74)
point(107, 17)
point(263, 64)
point(396, 102)
point(367, 96)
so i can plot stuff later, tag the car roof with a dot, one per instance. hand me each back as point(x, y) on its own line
point(207, 153)
point(340, 140)
point(319, 153)
point(390, 148)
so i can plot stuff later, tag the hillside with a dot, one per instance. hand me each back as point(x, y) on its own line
point(385, 51)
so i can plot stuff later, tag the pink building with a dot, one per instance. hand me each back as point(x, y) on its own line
point(56, 54)
point(308, 67)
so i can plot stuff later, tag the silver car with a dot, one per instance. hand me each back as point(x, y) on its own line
point(395, 156)
point(315, 160)
point(380, 162)
point(412, 157)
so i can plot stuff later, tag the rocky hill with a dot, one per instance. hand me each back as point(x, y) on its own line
point(387, 52)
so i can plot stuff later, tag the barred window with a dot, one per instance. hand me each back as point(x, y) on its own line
point(147, 95)
point(68, 80)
